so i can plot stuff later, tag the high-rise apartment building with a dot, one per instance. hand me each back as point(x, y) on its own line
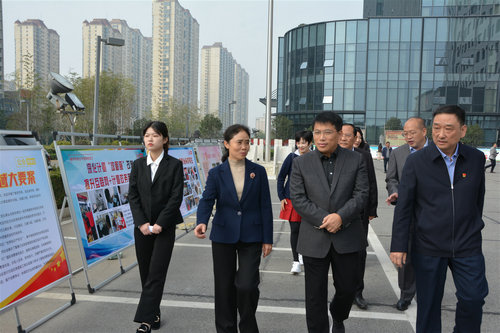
point(111, 57)
point(136, 64)
point(37, 52)
point(133, 60)
point(175, 54)
point(224, 86)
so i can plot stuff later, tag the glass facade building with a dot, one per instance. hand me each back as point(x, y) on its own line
point(369, 70)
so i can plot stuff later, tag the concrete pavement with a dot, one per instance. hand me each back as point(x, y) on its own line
point(188, 296)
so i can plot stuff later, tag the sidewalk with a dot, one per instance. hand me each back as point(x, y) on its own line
point(188, 296)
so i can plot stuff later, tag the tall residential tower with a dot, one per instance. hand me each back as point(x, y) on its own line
point(224, 86)
point(37, 52)
point(175, 55)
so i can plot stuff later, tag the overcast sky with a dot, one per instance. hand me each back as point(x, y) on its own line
point(241, 26)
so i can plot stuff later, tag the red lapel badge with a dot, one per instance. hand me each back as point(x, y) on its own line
point(464, 175)
point(252, 175)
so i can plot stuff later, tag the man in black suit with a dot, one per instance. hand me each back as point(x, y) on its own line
point(329, 189)
point(346, 141)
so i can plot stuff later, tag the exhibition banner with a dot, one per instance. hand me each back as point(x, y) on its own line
point(32, 255)
point(97, 182)
point(209, 157)
point(192, 184)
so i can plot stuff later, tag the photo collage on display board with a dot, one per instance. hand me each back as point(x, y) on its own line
point(192, 188)
point(102, 211)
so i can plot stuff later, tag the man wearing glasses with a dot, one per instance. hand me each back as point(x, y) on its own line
point(414, 133)
point(329, 189)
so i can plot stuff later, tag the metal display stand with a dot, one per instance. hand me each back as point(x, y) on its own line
point(53, 284)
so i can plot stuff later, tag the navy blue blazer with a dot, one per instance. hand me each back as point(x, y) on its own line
point(283, 180)
point(247, 220)
point(448, 217)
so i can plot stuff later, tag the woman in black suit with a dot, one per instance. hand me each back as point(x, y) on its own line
point(242, 231)
point(155, 195)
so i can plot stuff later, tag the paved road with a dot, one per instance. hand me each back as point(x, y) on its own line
point(188, 296)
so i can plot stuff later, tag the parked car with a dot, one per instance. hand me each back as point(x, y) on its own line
point(22, 138)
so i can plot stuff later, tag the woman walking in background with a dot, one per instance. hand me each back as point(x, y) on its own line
point(155, 195)
point(242, 230)
point(303, 140)
point(360, 140)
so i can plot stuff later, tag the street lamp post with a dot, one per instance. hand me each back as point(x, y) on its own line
point(107, 41)
point(269, 80)
point(231, 112)
point(27, 112)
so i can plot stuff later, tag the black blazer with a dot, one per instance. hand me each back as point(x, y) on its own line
point(159, 201)
point(372, 202)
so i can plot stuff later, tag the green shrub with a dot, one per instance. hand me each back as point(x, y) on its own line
point(57, 186)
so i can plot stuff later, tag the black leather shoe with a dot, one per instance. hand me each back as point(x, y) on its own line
point(156, 324)
point(402, 305)
point(144, 329)
point(337, 327)
point(360, 302)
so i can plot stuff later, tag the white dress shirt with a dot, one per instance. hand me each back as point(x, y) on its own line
point(154, 164)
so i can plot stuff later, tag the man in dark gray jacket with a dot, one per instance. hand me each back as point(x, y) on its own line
point(329, 189)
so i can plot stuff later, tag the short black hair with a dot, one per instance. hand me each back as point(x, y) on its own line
point(354, 131)
point(160, 128)
point(451, 109)
point(306, 135)
point(229, 133)
point(330, 118)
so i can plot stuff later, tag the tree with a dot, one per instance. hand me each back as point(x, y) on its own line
point(32, 99)
point(210, 126)
point(116, 101)
point(282, 127)
point(393, 123)
point(474, 136)
point(181, 119)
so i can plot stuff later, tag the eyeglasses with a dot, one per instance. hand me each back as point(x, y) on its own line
point(345, 135)
point(325, 133)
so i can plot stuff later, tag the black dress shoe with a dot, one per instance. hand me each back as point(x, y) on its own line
point(156, 324)
point(360, 302)
point(337, 327)
point(144, 329)
point(402, 305)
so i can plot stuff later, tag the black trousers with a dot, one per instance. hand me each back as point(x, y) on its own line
point(153, 256)
point(406, 275)
point(362, 261)
point(386, 160)
point(491, 165)
point(294, 238)
point(236, 277)
point(345, 270)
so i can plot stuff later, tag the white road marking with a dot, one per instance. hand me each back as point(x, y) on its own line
point(210, 306)
point(391, 273)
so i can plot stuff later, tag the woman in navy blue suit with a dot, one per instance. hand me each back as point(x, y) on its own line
point(242, 230)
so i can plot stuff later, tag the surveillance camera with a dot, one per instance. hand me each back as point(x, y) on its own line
point(74, 102)
point(59, 103)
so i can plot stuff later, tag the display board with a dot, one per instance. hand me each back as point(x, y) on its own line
point(32, 251)
point(96, 181)
point(208, 157)
point(192, 183)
